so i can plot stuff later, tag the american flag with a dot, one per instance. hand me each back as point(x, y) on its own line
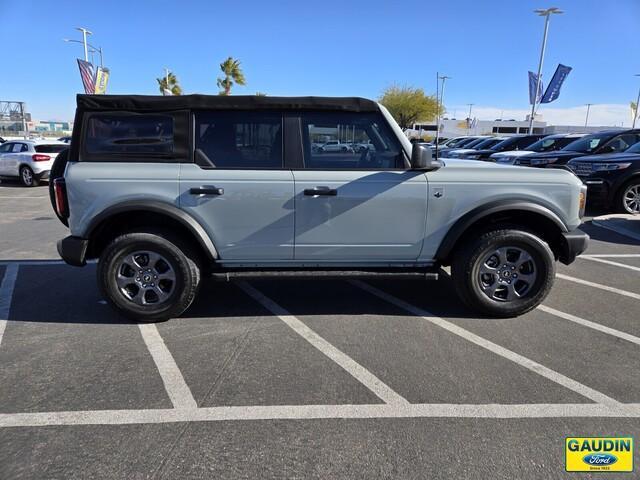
point(88, 76)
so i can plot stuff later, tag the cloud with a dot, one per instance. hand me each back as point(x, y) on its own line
point(599, 115)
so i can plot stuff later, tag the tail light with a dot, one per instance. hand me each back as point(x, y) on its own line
point(39, 157)
point(60, 190)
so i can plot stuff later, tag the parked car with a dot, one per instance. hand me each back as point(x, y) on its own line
point(29, 160)
point(333, 146)
point(608, 141)
point(612, 179)
point(462, 142)
point(550, 143)
point(445, 152)
point(202, 185)
point(517, 142)
point(482, 144)
point(65, 139)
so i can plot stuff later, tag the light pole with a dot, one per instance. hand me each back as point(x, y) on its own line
point(635, 114)
point(93, 49)
point(547, 14)
point(444, 78)
point(85, 32)
point(586, 119)
point(469, 118)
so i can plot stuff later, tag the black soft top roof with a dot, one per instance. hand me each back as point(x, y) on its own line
point(221, 102)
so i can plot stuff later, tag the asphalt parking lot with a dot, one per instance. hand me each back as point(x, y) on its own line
point(307, 379)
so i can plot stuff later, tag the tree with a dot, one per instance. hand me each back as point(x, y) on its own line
point(232, 75)
point(409, 105)
point(171, 86)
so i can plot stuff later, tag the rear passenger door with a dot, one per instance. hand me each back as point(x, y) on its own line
point(5, 148)
point(238, 187)
point(358, 206)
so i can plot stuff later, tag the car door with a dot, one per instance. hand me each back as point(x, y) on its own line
point(238, 187)
point(357, 206)
point(5, 148)
point(13, 160)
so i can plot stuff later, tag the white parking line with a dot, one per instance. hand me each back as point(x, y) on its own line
point(173, 380)
point(309, 412)
point(364, 376)
point(587, 323)
point(525, 362)
point(609, 262)
point(6, 294)
point(612, 255)
point(607, 288)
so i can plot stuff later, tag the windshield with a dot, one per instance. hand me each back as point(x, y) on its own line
point(488, 143)
point(634, 149)
point(589, 143)
point(475, 143)
point(458, 142)
point(550, 144)
point(504, 144)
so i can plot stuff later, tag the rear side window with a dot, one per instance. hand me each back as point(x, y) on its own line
point(129, 134)
point(239, 139)
point(50, 148)
point(349, 141)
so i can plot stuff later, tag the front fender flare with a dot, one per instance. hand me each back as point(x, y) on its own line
point(486, 210)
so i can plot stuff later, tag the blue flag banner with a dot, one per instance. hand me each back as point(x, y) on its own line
point(553, 89)
point(532, 88)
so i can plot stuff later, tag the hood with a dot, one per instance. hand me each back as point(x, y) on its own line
point(611, 157)
point(512, 153)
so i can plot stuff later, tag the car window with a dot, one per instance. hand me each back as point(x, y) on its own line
point(6, 147)
point(622, 142)
point(240, 139)
point(635, 148)
point(55, 148)
point(20, 147)
point(524, 142)
point(588, 143)
point(129, 134)
point(368, 143)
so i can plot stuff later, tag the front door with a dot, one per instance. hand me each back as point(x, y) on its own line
point(238, 188)
point(359, 205)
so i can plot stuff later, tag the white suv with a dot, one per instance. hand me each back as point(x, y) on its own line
point(29, 160)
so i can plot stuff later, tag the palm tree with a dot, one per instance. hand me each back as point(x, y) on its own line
point(172, 85)
point(232, 75)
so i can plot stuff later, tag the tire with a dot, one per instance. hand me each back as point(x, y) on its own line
point(489, 293)
point(628, 205)
point(57, 171)
point(151, 296)
point(27, 177)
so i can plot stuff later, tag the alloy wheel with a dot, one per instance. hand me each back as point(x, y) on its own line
point(507, 274)
point(145, 278)
point(631, 198)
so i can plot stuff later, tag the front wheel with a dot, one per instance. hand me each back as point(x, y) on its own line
point(148, 276)
point(504, 273)
point(628, 198)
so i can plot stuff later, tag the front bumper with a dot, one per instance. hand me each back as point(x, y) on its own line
point(73, 250)
point(572, 244)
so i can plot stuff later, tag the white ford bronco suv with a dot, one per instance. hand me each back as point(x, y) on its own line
point(165, 190)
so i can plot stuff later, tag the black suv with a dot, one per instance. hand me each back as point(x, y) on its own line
point(612, 180)
point(607, 141)
point(517, 142)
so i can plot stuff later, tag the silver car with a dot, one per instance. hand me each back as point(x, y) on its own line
point(29, 160)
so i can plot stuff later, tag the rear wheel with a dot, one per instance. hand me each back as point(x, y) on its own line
point(27, 177)
point(628, 198)
point(504, 273)
point(148, 276)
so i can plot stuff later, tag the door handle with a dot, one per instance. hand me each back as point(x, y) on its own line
point(326, 191)
point(206, 191)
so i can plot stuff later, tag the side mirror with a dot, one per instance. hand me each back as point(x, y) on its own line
point(422, 158)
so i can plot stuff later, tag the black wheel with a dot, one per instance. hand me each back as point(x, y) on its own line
point(343, 149)
point(148, 276)
point(628, 197)
point(57, 171)
point(503, 273)
point(27, 177)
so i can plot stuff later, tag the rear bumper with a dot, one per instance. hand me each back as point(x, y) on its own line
point(572, 244)
point(73, 250)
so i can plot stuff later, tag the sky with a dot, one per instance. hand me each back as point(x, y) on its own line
point(334, 48)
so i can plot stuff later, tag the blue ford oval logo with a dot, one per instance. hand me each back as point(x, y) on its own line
point(600, 459)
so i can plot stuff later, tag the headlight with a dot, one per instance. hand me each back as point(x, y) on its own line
point(605, 167)
point(473, 157)
point(543, 161)
point(503, 159)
